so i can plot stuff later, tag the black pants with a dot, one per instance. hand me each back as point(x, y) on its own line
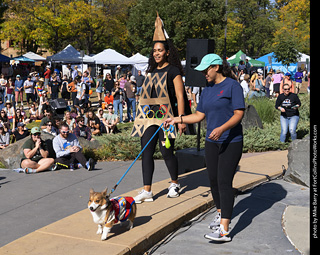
point(73, 157)
point(147, 156)
point(222, 161)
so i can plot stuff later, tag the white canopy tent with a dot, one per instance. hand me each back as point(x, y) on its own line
point(34, 56)
point(70, 55)
point(141, 63)
point(112, 57)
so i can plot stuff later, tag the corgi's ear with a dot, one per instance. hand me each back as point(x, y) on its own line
point(91, 191)
point(105, 192)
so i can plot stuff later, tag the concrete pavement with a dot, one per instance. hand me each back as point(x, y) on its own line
point(35, 200)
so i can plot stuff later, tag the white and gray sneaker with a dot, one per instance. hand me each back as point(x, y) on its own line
point(216, 222)
point(220, 235)
point(144, 196)
point(174, 190)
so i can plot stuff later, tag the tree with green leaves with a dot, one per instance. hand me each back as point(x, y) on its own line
point(286, 52)
point(183, 19)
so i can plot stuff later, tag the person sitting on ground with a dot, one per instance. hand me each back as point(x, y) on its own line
point(68, 150)
point(49, 116)
point(33, 113)
point(20, 133)
point(50, 129)
point(81, 130)
point(69, 120)
point(4, 120)
point(94, 123)
point(4, 138)
point(108, 98)
point(110, 120)
point(35, 154)
point(11, 113)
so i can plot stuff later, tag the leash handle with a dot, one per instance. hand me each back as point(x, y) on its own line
point(114, 188)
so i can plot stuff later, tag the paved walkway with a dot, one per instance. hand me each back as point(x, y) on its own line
point(75, 234)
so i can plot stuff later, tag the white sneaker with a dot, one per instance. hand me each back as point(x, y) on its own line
point(220, 235)
point(174, 190)
point(144, 196)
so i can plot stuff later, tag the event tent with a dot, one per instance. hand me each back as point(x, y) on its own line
point(23, 59)
point(112, 57)
point(70, 55)
point(278, 65)
point(4, 58)
point(34, 56)
point(235, 59)
point(141, 63)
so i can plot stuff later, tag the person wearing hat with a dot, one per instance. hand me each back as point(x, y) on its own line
point(118, 73)
point(130, 88)
point(18, 88)
point(162, 96)
point(35, 154)
point(222, 104)
point(258, 89)
point(4, 137)
point(20, 133)
point(287, 80)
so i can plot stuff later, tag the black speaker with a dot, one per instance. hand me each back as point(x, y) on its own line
point(196, 50)
point(59, 106)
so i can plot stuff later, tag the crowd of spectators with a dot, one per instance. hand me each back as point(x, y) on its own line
point(29, 99)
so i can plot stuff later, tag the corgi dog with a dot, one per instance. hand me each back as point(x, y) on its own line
point(106, 212)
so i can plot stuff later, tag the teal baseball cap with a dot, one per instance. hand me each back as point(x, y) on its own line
point(35, 130)
point(209, 60)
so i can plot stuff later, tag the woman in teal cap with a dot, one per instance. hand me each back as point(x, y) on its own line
point(222, 104)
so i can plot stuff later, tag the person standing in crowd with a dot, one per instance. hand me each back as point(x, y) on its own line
point(65, 94)
point(222, 104)
point(163, 61)
point(68, 150)
point(267, 83)
point(276, 79)
point(10, 90)
point(288, 104)
point(35, 154)
point(81, 89)
point(110, 120)
point(130, 89)
point(287, 80)
point(245, 85)
point(99, 89)
point(81, 130)
point(47, 75)
point(71, 88)
point(3, 86)
point(18, 88)
point(28, 86)
point(118, 73)
point(87, 80)
point(298, 76)
point(54, 86)
point(75, 72)
point(139, 79)
point(117, 94)
point(108, 82)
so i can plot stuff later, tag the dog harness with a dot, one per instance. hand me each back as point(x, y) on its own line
point(120, 208)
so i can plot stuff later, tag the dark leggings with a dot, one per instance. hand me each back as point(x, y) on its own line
point(222, 161)
point(147, 156)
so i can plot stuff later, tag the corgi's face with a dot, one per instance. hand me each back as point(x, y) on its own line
point(97, 200)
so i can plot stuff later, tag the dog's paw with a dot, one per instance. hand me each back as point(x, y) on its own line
point(104, 237)
point(130, 226)
point(99, 231)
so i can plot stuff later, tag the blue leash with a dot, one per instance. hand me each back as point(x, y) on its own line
point(114, 188)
